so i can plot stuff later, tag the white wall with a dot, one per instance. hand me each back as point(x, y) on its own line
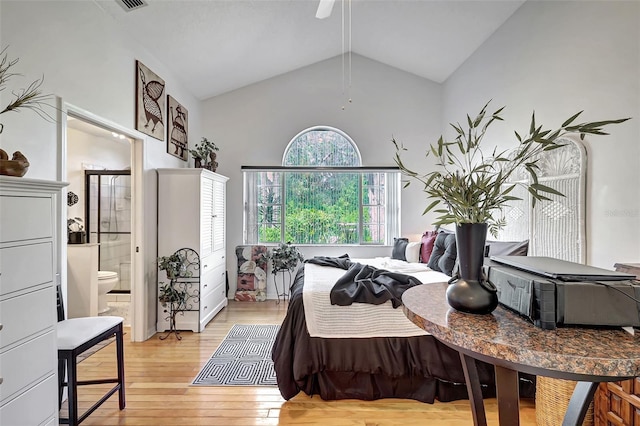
point(252, 126)
point(86, 151)
point(89, 62)
point(558, 58)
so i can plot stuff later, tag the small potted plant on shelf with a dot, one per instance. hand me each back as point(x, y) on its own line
point(75, 231)
point(283, 258)
point(204, 155)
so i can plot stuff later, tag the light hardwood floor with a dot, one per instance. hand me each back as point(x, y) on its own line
point(158, 392)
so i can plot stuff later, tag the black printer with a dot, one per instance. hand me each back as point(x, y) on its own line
point(552, 292)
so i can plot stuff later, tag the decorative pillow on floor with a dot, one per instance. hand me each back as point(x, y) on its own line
point(443, 256)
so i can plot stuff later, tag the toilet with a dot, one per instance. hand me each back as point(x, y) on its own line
point(107, 280)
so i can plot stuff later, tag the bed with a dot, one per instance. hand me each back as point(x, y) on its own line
point(366, 351)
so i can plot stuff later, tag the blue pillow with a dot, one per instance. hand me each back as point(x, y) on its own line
point(444, 254)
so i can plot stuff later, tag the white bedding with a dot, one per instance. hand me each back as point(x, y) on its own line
point(359, 319)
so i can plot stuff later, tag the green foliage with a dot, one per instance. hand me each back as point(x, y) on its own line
point(174, 265)
point(284, 258)
point(203, 149)
point(170, 294)
point(472, 187)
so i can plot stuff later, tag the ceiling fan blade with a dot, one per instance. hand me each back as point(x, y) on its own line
point(324, 9)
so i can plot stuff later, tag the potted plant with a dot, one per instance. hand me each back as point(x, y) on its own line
point(470, 186)
point(75, 231)
point(283, 258)
point(204, 155)
point(31, 98)
point(174, 266)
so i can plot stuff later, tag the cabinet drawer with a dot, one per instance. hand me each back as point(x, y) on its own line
point(25, 218)
point(212, 279)
point(26, 364)
point(26, 315)
point(211, 301)
point(25, 266)
point(213, 260)
point(34, 407)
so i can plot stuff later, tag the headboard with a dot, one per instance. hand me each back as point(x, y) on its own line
point(554, 228)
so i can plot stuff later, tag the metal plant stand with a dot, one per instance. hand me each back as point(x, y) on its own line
point(285, 288)
point(186, 290)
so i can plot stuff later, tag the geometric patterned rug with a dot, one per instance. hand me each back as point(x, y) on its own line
point(242, 359)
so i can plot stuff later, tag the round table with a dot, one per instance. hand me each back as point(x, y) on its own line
point(512, 344)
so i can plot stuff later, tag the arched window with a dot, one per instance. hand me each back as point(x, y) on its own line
point(322, 146)
point(321, 195)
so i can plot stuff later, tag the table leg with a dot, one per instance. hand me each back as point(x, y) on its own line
point(508, 396)
point(579, 403)
point(474, 390)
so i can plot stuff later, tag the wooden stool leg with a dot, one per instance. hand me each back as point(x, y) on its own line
point(120, 358)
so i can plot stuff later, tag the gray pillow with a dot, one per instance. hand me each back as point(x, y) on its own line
point(444, 254)
point(399, 248)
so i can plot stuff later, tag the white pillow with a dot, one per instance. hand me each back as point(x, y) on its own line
point(412, 252)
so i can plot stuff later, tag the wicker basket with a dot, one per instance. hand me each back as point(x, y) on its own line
point(552, 398)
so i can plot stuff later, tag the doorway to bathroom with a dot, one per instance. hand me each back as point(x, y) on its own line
point(100, 200)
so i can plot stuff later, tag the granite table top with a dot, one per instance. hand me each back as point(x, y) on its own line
point(505, 338)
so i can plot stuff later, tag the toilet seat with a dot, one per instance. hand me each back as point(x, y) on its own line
point(107, 275)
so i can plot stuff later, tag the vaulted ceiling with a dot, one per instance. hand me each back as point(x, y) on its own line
point(215, 46)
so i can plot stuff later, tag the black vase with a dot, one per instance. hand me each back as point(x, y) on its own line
point(471, 293)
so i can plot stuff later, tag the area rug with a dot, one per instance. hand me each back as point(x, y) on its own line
point(242, 359)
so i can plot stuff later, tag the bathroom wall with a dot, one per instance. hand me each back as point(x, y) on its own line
point(87, 151)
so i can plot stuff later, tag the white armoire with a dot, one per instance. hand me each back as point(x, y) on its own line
point(28, 259)
point(192, 214)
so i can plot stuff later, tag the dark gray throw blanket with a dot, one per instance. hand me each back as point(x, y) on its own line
point(364, 283)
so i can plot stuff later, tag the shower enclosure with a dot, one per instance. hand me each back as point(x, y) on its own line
point(108, 221)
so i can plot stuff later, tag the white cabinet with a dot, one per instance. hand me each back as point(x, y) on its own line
point(191, 214)
point(28, 353)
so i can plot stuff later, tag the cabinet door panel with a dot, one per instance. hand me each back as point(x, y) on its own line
point(206, 217)
point(218, 216)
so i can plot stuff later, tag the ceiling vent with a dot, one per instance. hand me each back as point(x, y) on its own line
point(129, 5)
